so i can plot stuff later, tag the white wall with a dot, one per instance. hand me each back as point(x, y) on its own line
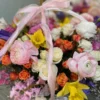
point(8, 8)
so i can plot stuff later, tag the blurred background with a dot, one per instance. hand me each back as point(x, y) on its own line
point(8, 8)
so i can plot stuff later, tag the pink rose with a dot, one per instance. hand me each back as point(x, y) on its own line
point(83, 64)
point(21, 52)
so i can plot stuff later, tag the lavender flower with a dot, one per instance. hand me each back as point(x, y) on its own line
point(96, 42)
point(20, 91)
point(34, 28)
point(51, 23)
point(4, 77)
point(96, 45)
point(10, 29)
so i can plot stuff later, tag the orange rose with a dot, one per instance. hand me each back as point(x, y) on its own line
point(28, 65)
point(76, 37)
point(80, 50)
point(24, 75)
point(2, 42)
point(6, 60)
point(64, 64)
point(68, 45)
point(64, 44)
point(13, 76)
point(58, 42)
point(62, 79)
point(74, 77)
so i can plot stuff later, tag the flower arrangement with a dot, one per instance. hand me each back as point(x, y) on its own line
point(54, 55)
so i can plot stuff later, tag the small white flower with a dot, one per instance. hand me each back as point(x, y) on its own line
point(86, 45)
point(95, 54)
point(50, 14)
point(24, 38)
point(43, 73)
point(43, 54)
point(3, 23)
point(57, 55)
point(36, 67)
point(67, 30)
point(97, 74)
point(86, 29)
point(56, 33)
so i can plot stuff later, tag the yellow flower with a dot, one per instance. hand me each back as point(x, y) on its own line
point(66, 21)
point(38, 39)
point(75, 90)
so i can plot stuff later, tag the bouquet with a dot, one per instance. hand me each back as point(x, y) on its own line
point(50, 53)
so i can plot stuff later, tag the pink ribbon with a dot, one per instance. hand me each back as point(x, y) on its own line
point(32, 12)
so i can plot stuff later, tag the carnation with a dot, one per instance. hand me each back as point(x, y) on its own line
point(86, 29)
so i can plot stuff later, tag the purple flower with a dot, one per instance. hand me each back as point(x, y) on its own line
point(96, 45)
point(4, 34)
point(10, 29)
point(77, 8)
point(51, 23)
point(4, 77)
point(96, 42)
point(89, 83)
point(34, 28)
point(17, 92)
point(97, 21)
point(60, 15)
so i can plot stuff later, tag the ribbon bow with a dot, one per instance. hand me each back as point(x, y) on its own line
point(33, 11)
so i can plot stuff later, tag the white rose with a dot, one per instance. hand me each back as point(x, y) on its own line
point(3, 23)
point(43, 73)
point(57, 55)
point(97, 74)
point(95, 54)
point(67, 30)
point(56, 33)
point(43, 54)
point(36, 67)
point(40, 98)
point(86, 45)
point(86, 29)
point(24, 38)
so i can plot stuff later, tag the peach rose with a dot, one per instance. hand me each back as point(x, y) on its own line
point(62, 79)
point(24, 75)
point(28, 65)
point(13, 76)
point(6, 60)
point(2, 43)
